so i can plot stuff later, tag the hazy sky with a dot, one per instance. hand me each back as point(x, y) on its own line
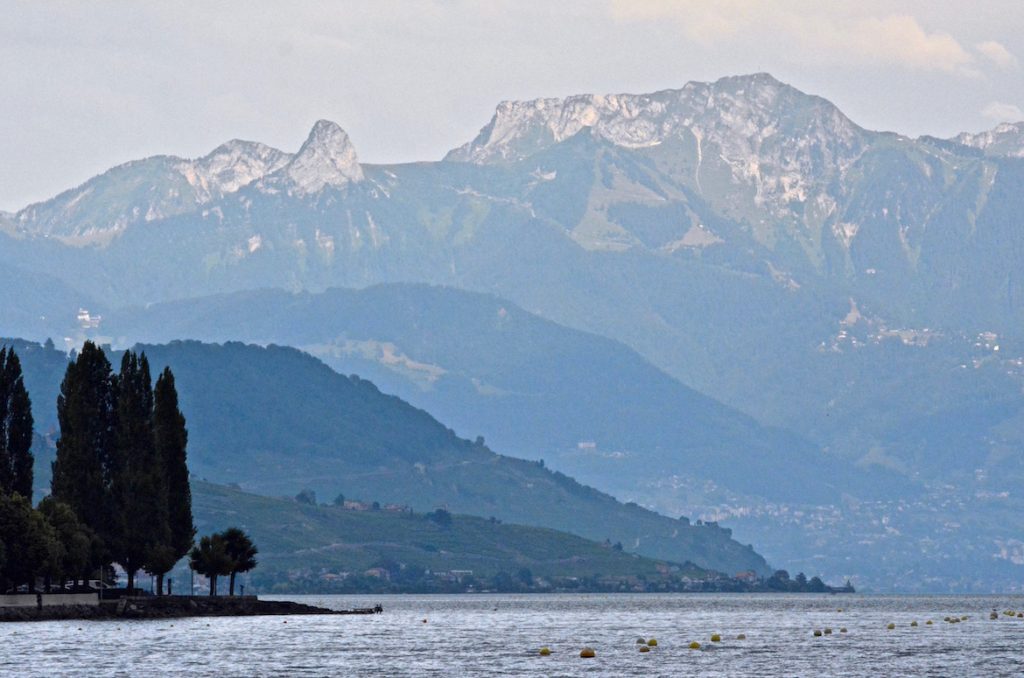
point(87, 85)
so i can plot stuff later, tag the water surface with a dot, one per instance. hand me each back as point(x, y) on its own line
point(472, 635)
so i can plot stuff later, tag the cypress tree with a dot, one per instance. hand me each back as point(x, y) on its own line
point(171, 439)
point(6, 474)
point(137, 487)
point(84, 467)
point(15, 427)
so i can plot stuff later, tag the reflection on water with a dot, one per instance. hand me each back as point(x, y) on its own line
point(501, 635)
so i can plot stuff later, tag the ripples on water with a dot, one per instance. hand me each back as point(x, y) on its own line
point(501, 635)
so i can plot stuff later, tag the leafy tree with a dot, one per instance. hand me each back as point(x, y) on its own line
point(339, 500)
point(210, 558)
point(78, 548)
point(241, 551)
point(171, 439)
point(306, 496)
point(139, 496)
point(15, 427)
point(86, 412)
point(442, 517)
point(30, 544)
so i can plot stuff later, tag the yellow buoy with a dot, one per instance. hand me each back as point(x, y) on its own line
point(644, 648)
point(545, 651)
point(695, 645)
point(587, 653)
point(963, 618)
point(653, 642)
point(890, 626)
point(716, 638)
point(817, 633)
point(913, 623)
point(842, 630)
point(742, 636)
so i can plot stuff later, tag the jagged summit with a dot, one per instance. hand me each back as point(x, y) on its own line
point(327, 158)
point(749, 105)
point(1006, 139)
point(231, 166)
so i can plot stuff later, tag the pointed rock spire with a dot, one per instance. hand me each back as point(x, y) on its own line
point(327, 158)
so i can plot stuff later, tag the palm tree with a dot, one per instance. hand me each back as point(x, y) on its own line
point(241, 551)
point(211, 558)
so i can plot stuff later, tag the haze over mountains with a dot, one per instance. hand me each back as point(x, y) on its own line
point(858, 288)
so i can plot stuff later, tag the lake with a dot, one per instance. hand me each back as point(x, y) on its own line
point(501, 635)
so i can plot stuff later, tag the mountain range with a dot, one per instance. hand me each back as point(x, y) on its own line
point(859, 289)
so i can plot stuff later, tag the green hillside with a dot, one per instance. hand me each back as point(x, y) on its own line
point(303, 541)
point(275, 421)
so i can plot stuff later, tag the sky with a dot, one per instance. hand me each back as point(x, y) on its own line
point(88, 85)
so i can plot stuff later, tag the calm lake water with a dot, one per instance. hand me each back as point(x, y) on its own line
point(501, 635)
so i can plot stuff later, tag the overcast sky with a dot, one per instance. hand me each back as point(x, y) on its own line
point(87, 85)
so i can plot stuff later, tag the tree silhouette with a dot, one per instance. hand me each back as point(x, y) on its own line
point(15, 427)
point(139, 496)
point(211, 558)
point(242, 552)
point(171, 439)
point(86, 412)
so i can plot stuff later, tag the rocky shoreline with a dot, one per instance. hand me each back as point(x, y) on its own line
point(168, 607)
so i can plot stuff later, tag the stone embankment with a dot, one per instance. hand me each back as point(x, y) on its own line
point(167, 607)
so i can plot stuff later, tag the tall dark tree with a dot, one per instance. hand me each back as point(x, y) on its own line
point(15, 427)
point(241, 551)
point(171, 439)
point(211, 558)
point(87, 413)
point(138, 493)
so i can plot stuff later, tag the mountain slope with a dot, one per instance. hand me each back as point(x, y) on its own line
point(589, 406)
point(301, 538)
point(275, 421)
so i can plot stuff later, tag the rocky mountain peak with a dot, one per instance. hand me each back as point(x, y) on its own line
point(231, 166)
point(1006, 139)
point(327, 158)
point(747, 106)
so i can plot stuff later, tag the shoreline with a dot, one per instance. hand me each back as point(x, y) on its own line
point(169, 607)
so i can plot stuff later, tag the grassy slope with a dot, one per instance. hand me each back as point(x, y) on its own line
point(293, 535)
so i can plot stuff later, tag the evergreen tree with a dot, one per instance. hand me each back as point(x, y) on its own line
point(84, 467)
point(138, 493)
point(171, 440)
point(211, 558)
point(241, 551)
point(15, 427)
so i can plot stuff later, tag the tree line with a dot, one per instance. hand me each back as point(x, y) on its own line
point(120, 488)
